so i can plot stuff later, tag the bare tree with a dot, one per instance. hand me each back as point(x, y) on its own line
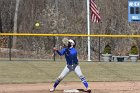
point(0, 23)
point(15, 23)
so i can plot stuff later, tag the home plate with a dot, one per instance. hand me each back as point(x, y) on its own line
point(71, 90)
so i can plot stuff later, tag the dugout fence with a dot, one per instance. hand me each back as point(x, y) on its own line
point(39, 46)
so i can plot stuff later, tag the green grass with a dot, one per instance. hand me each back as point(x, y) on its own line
point(41, 71)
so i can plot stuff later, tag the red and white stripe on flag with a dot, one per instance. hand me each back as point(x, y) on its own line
point(95, 17)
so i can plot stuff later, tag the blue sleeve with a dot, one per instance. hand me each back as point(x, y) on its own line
point(61, 52)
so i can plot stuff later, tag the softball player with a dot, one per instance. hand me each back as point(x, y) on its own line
point(72, 64)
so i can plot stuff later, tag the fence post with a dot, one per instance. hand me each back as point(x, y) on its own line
point(99, 49)
point(54, 42)
point(10, 46)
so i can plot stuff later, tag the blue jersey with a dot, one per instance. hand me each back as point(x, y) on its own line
point(70, 55)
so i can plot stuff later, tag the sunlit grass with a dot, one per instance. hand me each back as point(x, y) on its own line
point(44, 71)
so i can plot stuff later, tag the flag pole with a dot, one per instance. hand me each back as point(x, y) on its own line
point(88, 27)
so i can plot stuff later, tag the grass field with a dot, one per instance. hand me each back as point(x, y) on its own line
point(43, 71)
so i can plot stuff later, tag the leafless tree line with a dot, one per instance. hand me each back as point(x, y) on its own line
point(65, 16)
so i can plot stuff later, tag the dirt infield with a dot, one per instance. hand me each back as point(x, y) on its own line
point(97, 87)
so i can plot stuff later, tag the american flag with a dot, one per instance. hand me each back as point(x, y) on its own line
point(95, 17)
